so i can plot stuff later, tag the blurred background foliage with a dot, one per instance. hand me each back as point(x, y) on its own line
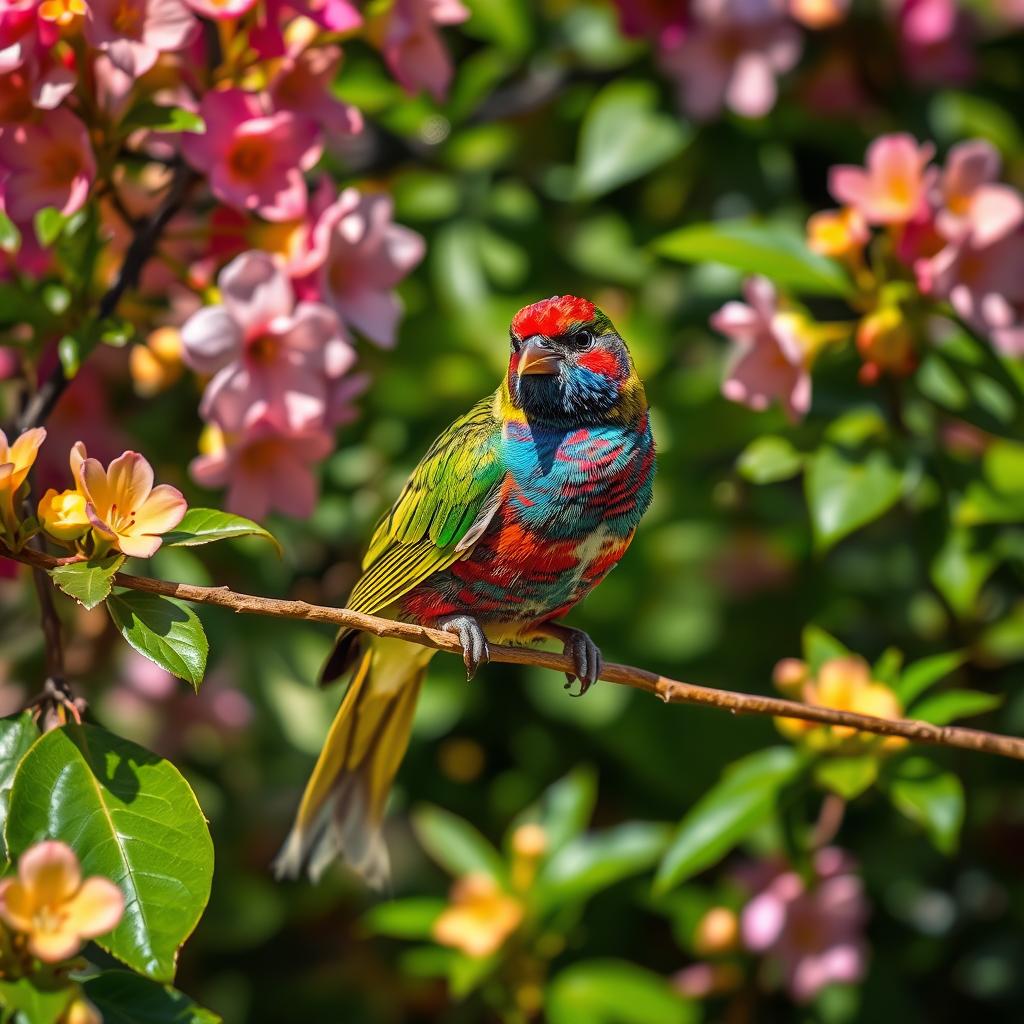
point(558, 158)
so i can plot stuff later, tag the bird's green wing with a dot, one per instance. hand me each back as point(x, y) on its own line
point(442, 510)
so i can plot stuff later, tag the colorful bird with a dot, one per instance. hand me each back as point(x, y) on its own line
point(515, 513)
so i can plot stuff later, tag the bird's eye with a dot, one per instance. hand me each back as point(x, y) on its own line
point(584, 339)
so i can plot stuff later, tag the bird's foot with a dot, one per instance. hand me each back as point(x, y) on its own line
point(475, 651)
point(586, 656)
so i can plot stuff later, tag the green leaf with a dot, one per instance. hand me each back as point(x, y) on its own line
point(466, 973)
point(165, 631)
point(87, 582)
point(946, 707)
point(36, 999)
point(776, 251)
point(590, 863)
point(932, 798)
point(845, 493)
point(767, 460)
point(49, 223)
point(404, 919)
point(887, 668)
point(505, 22)
point(206, 525)
point(623, 137)
point(130, 817)
point(564, 809)
point(961, 567)
point(847, 777)
point(819, 646)
point(614, 992)
point(10, 236)
point(17, 735)
point(124, 998)
point(455, 844)
point(741, 801)
point(163, 119)
point(919, 676)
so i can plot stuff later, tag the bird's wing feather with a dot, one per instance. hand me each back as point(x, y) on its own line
point(448, 500)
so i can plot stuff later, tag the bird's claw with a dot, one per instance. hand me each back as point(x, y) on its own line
point(586, 657)
point(475, 651)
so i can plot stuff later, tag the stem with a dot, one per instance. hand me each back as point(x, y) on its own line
point(671, 691)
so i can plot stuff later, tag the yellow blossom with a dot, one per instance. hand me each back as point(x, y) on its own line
point(157, 364)
point(125, 509)
point(839, 233)
point(81, 1011)
point(479, 918)
point(63, 514)
point(49, 903)
point(846, 685)
point(15, 462)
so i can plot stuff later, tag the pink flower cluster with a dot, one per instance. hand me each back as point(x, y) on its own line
point(956, 228)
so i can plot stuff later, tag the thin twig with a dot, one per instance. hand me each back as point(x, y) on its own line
point(671, 691)
point(143, 243)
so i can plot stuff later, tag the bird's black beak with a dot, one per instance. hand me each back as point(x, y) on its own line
point(537, 356)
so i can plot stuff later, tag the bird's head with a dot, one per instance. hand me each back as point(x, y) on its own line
point(568, 365)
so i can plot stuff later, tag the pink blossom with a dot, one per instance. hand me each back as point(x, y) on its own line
point(936, 37)
point(895, 184)
point(265, 469)
point(44, 163)
point(30, 78)
point(254, 159)
point(661, 20)
point(133, 33)
point(770, 360)
point(978, 270)
point(362, 255)
point(267, 35)
point(269, 357)
point(302, 85)
point(732, 57)
point(221, 10)
point(815, 935)
point(969, 165)
point(406, 34)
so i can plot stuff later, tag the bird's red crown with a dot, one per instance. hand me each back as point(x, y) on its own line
point(552, 317)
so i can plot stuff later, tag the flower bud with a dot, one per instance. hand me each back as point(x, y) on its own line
point(885, 340)
point(63, 514)
point(717, 932)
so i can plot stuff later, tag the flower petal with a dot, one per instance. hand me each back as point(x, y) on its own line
point(161, 511)
point(95, 909)
point(130, 479)
point(255, 291)
point(211, 338)
point(49, 871)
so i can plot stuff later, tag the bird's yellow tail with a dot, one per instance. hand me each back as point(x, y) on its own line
point(343, 804)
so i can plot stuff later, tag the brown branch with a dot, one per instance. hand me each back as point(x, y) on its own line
point(671, 691)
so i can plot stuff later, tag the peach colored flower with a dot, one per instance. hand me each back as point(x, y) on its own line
point(479, 917)
point(45, 163)
point(837, 233)
point(50, 903)
point(895, 184)
point(771, 355)
point(15, 462)
point(254, 159)
point(124, 507)
point(156, 364)
point(63, 514)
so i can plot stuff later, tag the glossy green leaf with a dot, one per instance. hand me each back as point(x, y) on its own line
point(741, 801)
point(590, 863)
point(614, 992)
point(124, 998)
point(130, 817)
point(206, 525)
point(961, 567)
point(946, 707)
point(920, 675)
point(845, 493)
point(818, 646)
point(49, 223)
point(623, 137)
point(167, 632)
point(847, 777)
point(455, 844)
point(37, 999)
point(88, 582)
point(778, 252)
point(158, 118)
point(17, 735)
point(932, 798)
point(404, 919)
point(767, 460)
